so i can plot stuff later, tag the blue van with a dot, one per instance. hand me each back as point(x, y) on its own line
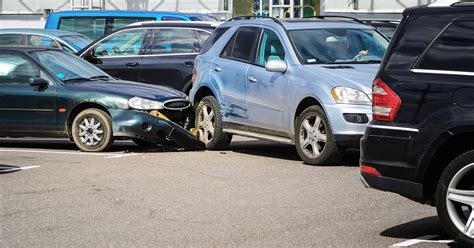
point(95, 23)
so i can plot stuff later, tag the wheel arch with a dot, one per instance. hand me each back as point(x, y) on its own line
point(202, 92)
point(304, 104)
point(78, 109)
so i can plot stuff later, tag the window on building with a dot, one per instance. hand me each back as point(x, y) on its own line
point(453, 51)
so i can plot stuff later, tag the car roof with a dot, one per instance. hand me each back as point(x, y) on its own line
point(302, 23)
point(27, 49)
point(122, 13)
point(207, 24)
point(38, 31)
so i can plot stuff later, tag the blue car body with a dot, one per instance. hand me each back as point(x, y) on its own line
point(97, 23)
point(263, 104)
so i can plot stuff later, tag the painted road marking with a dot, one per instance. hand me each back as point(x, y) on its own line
point(29, 167)
point(423, 239)
point(106, 155)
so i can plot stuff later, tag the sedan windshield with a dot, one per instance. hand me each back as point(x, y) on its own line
point(76, 41)
point(339, 46)
point(67, 67)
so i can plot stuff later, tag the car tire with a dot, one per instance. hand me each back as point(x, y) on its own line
point(92, 130)
point(143, 143)
point(208, 121)
point(455, 210)
point(320, 138)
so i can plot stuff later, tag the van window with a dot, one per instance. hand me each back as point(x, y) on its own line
point(173, 41)
point(93, 27)
point(213, 38)
point(453, 51)
point(120, 22)
point(172, 18)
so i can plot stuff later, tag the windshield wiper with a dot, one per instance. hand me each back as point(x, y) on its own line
point(355, 62)
point(100, 77)
point(78, 79)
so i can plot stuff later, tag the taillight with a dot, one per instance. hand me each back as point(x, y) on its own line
point(193, 78)
point(369, 170)
point(385, 102)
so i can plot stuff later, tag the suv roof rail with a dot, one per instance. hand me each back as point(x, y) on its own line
point(238, 18)
point(337, 16)
point(447, 3)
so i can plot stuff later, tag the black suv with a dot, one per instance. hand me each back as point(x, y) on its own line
point(160, 53)
point(421, 141)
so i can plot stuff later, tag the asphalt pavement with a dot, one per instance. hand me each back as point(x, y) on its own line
point(254, 194)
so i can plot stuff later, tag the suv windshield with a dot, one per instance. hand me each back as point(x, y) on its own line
point(68, 67)
point(336, 45)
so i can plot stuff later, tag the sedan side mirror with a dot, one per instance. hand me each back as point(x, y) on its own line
point(276, 66)
point(40, 82)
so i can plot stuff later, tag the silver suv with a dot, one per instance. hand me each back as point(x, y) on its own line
point(302, 81)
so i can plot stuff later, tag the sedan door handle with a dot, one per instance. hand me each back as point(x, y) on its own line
point(217, 68)
point(131, 64)
point(252, 79)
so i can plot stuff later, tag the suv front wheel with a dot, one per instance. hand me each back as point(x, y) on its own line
point(315, 142)
point(455, 199)
point(209, 124)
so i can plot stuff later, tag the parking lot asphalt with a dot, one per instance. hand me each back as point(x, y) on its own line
point(254, 194)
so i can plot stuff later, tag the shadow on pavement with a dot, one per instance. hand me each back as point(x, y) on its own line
point(415, 229)
point(282, 151)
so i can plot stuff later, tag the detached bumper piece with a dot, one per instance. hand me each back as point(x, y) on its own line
point(153, 127)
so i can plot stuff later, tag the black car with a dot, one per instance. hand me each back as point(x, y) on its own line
point(420, 142)
point(386, 27)
point(159, 53)
point(51, 93)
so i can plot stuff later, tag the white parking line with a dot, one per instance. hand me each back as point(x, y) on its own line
point(424, 239)
point(106, 155)
point(29, 167)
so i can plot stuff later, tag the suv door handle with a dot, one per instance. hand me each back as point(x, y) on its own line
point(252, 79)
point(217, 68)
point(133, 64)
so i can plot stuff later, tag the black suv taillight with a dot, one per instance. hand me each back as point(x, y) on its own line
point(385, 102)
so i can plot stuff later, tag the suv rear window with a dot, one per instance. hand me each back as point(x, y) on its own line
point(213, 39)
point(453, 50)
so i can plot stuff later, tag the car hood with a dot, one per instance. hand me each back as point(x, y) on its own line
point(127, 89)
point(357, 76)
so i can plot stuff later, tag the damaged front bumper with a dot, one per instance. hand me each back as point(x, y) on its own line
point(156, 129)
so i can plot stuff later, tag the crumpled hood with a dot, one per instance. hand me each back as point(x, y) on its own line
point(357, 76)
point(128, 89)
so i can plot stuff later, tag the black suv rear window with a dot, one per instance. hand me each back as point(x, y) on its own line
point(453, 50)
point(213, 38)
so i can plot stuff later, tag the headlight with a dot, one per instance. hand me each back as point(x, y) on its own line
point(144, 104)
point(350, 96)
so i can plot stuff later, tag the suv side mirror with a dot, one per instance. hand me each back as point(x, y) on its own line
point(40, 82)
point(276, 66)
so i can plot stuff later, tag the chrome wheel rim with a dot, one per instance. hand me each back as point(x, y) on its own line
point(313, 136)
point(206, 124)
point(460, 200)
point(91, 132)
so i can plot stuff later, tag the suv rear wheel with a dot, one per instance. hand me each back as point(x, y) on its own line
point(92, 130)
point(209, 124)
point(315, 142)
point(455, 198)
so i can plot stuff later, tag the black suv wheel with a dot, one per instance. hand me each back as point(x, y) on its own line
point(455, 198)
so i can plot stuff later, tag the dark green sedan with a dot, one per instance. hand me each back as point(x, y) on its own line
point(50, 93)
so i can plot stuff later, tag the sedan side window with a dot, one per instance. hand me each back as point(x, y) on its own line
point(173, 41)
point(41, 41)
point(126, 43)
point(270, 48)
point(11, 39)
point(17, 69)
